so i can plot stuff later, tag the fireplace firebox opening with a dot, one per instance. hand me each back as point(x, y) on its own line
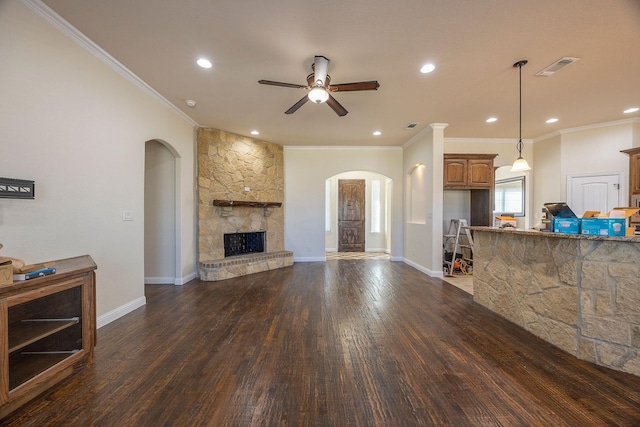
point(244, 243)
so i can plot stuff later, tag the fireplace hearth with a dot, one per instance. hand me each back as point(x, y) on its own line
point(244, 243)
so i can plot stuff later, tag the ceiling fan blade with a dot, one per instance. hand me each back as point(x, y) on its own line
point(272, 83)
point(336, 106)
point(320, 70)
point(297, 105)
point(350, 87)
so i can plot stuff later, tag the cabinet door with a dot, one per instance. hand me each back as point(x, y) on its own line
point(634, 173)
point(480, 173)
point(455, 173)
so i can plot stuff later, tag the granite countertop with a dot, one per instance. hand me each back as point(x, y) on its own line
point(533, 232)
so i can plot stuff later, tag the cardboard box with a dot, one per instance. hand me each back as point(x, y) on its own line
point(566, 225)
point(626, 213)
point(504, 222)
point(613, 223)
point(6, 273)
point(604, 226)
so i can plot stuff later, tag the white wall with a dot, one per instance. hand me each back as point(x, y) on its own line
point(374, 242)
point(78, 128)
point(546, 175)
point(307, 169)
point(423, 239)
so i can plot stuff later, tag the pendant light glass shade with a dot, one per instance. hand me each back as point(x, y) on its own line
point(318, 95)
point(520, 165)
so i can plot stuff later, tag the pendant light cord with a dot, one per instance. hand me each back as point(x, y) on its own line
point(520, 64)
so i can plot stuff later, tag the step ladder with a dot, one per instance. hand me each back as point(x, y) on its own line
point(459, 239)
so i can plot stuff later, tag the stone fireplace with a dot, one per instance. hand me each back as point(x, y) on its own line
point(240, 191)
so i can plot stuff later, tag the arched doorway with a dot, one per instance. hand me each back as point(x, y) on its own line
point(160, 183)
point(378, 196)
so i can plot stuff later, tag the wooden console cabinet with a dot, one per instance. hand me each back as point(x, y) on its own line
point(47, 326)
point(472, 172)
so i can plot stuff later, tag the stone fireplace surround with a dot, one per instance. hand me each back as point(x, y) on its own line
point(240, 189)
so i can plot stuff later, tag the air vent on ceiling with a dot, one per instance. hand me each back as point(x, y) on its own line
point(556, 66)
point(411, 126)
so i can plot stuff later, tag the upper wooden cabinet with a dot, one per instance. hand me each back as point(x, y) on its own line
point(634, 171)
point(468, 171)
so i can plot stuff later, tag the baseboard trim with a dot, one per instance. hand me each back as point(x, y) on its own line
point(186, 279)
point(159, 280)
point(310, 259)
point(117, 313)
point(170, 280)
point(425, 270)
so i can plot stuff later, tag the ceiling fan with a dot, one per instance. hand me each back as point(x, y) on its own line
point(319, 87)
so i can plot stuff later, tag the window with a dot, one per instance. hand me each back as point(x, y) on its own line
point(509, 196)
point(376, 207)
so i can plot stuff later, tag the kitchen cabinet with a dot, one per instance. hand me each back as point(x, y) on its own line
point(47, 327)
point(472, 172)
point(468, 171)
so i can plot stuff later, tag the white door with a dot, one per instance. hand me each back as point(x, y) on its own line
point(593, 192)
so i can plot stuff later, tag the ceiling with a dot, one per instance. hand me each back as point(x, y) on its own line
point(473, 45)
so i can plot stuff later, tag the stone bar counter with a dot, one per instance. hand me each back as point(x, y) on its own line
point(580, 293)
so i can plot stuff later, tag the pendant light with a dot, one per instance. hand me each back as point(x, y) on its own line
point(520, 165)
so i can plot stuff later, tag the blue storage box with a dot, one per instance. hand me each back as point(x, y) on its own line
point(604, 226)
point(566, 225)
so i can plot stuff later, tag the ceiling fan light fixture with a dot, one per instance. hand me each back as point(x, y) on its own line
point(318, 95)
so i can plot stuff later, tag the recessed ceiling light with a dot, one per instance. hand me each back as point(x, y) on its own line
point(631, 110)
point(552, 120)
point(191, 103)
point(255, 132)
point(427, 68)
point(492, 119)
point(377, 133)
point(204, 63)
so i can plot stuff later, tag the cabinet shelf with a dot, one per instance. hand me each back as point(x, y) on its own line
point(47, 327)
point(29, 366)
point(28, 331)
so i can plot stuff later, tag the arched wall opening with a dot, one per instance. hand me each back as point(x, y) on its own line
point(161, 214)
point(378, 212)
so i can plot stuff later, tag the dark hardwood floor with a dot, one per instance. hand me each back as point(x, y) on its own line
point(341, 343)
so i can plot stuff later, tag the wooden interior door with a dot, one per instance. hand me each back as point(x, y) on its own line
point(351, 214)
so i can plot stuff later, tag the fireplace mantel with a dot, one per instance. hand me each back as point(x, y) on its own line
point(238, 203)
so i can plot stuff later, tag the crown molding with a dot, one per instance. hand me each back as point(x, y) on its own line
point(336, 147)
point(87, 44)
point(588, 127)
point(486, 140)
